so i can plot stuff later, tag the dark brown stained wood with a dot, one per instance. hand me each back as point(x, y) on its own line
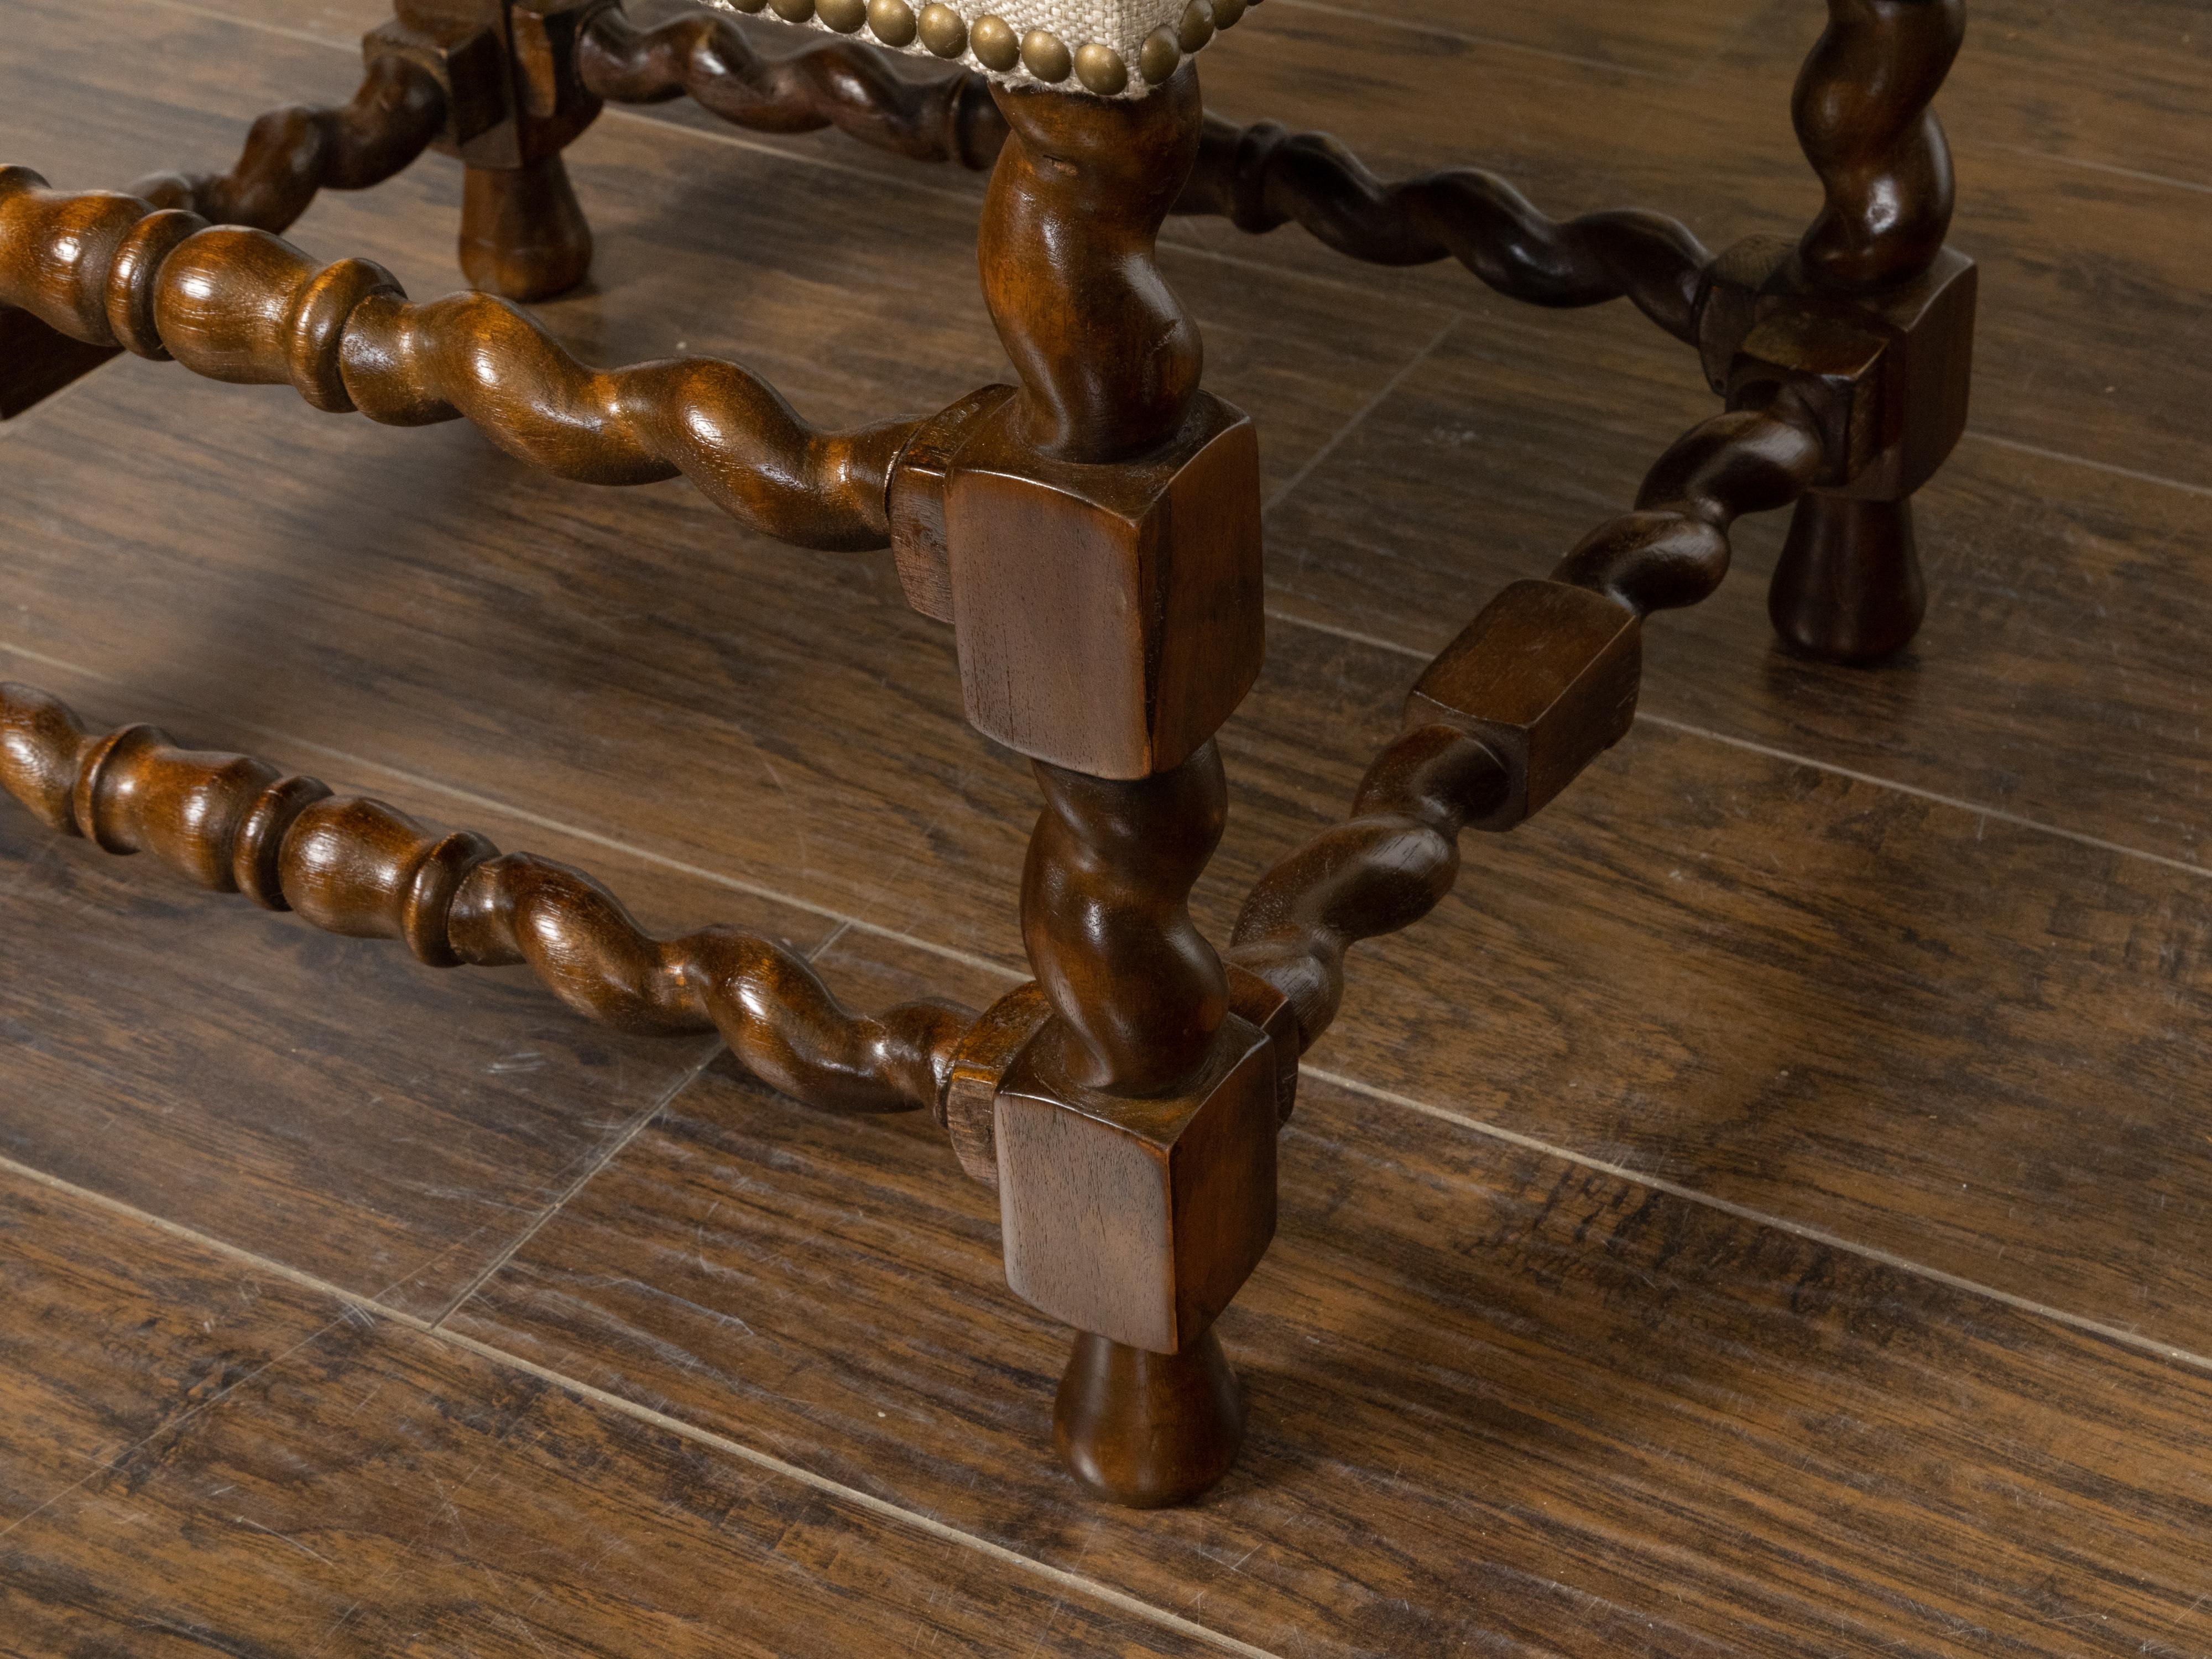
point(2057, 242)
point(628, 663)
point(1903, 1022)
point(387, 1125)
point(1733, 1440)
point(103, 1348)
point(836, 319)
point(2101, 86)
point(260, 1469)
point(2097, 86)
point(2008, 698)
point(1664, 40)
point(1495, 1398)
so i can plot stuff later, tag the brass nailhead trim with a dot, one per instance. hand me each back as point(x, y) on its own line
point(1096, 66)
point(1100, 68)
point(892, 21)
point(1161, 57)
point(944, 31)
point(992, 39)
point(1045, 56)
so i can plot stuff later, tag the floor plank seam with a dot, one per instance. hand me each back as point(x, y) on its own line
point(606, 1156)
point(637, 1412)
point(1688, 729)
point(2139, 175)
point(169, 1425)
point(1320, 456)
point(2017, 447)
point(538, 820)
point(1340, 284)
point(2121, 1334)
point(1371, 1090)
point(1995, 813)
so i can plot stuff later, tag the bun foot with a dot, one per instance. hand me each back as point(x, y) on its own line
point(1147, 1430)
point(523, 236)
point(1848, 588)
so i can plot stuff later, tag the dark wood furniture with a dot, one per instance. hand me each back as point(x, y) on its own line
point(1092, 535)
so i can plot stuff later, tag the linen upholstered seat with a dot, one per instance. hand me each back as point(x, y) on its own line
point(1112, 48)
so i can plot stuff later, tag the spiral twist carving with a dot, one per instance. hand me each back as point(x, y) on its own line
point(827, 82)
point(1105, 914)
point(1380, 871)
point(1110, 360)
point(1395, 858)
point(240, 304)
point(1673, 549)
point(292, 154)
point(1863, 116)
point(1263, 176)
point(356, 867)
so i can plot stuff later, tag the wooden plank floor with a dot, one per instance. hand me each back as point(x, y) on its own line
point(1766, 1211)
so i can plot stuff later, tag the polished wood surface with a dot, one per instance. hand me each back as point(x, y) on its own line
point(1925, 1113)
point(239, 305)
point(264, 1452)
point(350, 864)
point(1264, 176)
point(290, 154)
point(791, 84)
point(1134, 1132)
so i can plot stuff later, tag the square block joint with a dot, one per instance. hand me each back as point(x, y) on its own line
point(1894, 367)
point(1139, 1218)
point(1545, 677)
point(1108, 618)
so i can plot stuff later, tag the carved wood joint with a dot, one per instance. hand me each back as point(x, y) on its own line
point(354, 865)
point(1546, 678)
point(1107, 616)
point(988, 1055)
point(1884, 373)
point(513, 91)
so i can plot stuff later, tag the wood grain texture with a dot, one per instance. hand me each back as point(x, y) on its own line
point(1716, 152)
point(2005, 701)
point(354, 865)
point(464, 620)
point(1495, 1398)
point(105, 1348)
point(1537, 1411)
point(387, 1125)
point(238, 305)
point(263, 1470)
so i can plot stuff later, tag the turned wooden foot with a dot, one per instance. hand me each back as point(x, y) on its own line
point(1147, 1429)
point(523, 236)
point(1848, 588)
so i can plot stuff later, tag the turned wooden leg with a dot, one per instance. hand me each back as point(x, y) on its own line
point(515, 97)
point(523, 237)
point(1147, 1429)
point(1093, 534)
point(1136, 1140)
point(1849, 587)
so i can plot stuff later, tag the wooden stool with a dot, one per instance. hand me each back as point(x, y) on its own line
point(1092, 535)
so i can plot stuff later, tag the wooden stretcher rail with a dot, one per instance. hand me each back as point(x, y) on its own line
point(355, 865)
point(240, 304)
point(1535, 688)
